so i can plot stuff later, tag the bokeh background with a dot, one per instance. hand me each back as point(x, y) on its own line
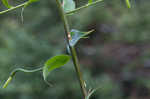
point(115, 57)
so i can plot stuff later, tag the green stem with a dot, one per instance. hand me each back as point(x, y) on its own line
point(72, 49)
point(80, 8)
point(17, 70)
point(13, 8)
point(78, 71)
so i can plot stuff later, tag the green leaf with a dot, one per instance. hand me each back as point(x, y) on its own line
point(31, 1)
point(6, 4)
point(77, 35)
point(53, 63)
point(68, 5)
point(90, 1)
point(128, 3)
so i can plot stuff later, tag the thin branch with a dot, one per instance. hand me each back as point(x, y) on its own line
point(13, 8)
point(85, 6)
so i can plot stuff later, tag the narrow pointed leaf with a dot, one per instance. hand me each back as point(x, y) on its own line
point(54, 63)
point(128, 3)
point(90, 1)
point(77, 35)
point(31, 1)
point(68, 5)
point(17, 70)
point(6, 4)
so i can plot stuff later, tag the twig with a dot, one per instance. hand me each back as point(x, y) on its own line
point(13, 8)
point(80, 8)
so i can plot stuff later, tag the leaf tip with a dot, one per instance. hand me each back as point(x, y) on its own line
point(128, 3)
point(90, 31)
point(7, 82)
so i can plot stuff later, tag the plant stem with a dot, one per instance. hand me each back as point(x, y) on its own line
point(72, 49)
point(85, 6)
point(13, 8)
point(78, 71)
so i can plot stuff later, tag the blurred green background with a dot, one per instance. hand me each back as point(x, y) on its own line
point(116, 57)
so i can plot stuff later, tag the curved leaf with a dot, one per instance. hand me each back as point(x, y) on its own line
point(77, 35)
point(6, 4)
point(17, 70)
point(68, 5)
point(53, 63)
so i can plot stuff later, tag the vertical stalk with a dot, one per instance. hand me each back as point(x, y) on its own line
point(72, 49)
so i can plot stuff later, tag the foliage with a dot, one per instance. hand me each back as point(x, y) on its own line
point(71, 38)
point(32, 43)
point(53, 63)
point(77, 35)
point(68, 5)
point(5, 2)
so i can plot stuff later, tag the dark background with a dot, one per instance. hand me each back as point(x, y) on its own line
point(116, 57)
